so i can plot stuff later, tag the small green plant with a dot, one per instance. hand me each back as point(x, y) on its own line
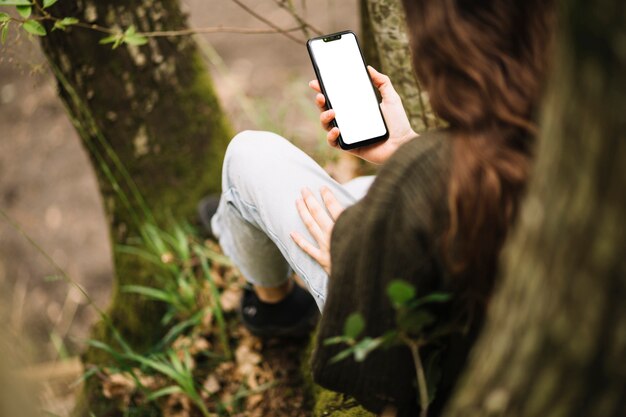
point(412, 321)
point(184, 281)
point(168, 364)
point(129, 36)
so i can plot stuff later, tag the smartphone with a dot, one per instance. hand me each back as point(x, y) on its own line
point(346, 84)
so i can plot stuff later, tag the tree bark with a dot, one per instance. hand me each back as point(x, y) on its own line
point(151, 111)
point(555, 340)
point(386, 20)
point(367, 41)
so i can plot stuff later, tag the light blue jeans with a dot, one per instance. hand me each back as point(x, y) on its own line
point(262, 177)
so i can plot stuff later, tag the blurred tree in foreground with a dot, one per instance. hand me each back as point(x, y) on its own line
point(150, 120)
point(555, 341)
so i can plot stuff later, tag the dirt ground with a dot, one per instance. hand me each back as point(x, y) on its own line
point(48, 188)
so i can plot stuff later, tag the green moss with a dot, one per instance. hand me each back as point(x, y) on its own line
point(333, 404)
point(323, 402)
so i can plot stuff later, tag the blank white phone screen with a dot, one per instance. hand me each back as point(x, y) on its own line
point(348, 88)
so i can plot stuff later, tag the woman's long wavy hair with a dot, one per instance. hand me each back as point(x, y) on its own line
point(483, 64)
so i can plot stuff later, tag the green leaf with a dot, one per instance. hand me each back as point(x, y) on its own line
point(25, 11)
point(116, 40)
point(436, 297)
point(135, 251)
point(131, 30)
point(365, 346)
point(390, 338)
point(151, 293)
point(173, 389)
point(181, 242)
point(136, 40)
point(4, 17)
point(67, 21)
point(131, 37)
point(4, 33)
point(335, 340)
point(48, 3)
point(103, 346)
point(354, 326)
point(342, 355)
point(15, 2)
point(400, 292)
point(34, 27)
point(176, 330)
point(415, 321)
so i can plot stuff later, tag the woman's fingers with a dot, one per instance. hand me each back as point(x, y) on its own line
point(383, 83)
point(310, 223)
point(319, 214)
point(315, 85)
point(320, 100)
point(322, 257)
point(318, 223)
point(313, 251)
point(332, 137)
point(332, 204)
point(326, 117)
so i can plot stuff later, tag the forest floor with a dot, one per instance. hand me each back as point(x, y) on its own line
point(48, 188)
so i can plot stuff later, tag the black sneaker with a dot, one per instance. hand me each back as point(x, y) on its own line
point(294, 316)
point(207, 207)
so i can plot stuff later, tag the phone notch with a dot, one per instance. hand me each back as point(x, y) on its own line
point(332, 38)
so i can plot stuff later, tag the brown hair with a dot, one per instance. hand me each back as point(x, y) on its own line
point(482, 63)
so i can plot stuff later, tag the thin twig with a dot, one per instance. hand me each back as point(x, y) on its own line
point(419, 370)
point(289, 7)
point(181, 32)
point(267, 22)
point(97, 28)
point(216, 29)
point(46, 16)
point(15, 226)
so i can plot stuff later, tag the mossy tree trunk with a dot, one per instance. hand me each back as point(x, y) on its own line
point(151, 109)
point(555, 342)
point(384, 23)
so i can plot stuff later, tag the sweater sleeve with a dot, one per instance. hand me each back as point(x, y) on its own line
point(392, 233)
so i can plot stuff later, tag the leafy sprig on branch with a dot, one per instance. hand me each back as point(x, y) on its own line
point(415, 328)
point(33, 24)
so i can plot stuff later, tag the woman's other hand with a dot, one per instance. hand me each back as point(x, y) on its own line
point(319, 223)
point(400, 130)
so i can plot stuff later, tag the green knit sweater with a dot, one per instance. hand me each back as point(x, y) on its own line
point(394, 232)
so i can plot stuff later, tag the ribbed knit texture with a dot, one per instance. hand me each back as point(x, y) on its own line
point(394, 232)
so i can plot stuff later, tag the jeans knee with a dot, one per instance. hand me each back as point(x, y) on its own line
point(249, 154)
point(249, 143)
point(251, 148)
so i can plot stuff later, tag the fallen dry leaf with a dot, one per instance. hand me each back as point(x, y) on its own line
point(177, 405)
point(246, 359)
point(119, 386)
point(212, 384)
point(230, 298)
point(253, 400)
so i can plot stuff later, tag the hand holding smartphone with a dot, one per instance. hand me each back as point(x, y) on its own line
point(347, 87)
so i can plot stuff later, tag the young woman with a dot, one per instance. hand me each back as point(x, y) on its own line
point(436, 215)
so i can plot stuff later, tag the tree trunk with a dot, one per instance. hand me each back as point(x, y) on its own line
point(386, 20)
point(367, 41)
point(150, 111)
point(555, 340)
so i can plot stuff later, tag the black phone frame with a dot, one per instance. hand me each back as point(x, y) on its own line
point(329, 38)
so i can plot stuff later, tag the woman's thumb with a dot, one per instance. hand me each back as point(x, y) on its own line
point(382, 82)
